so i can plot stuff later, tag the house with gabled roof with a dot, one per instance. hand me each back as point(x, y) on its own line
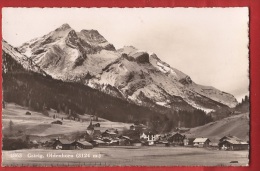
point(201, 142)
point(232, 143)
point(63, 144)
point(177, 139)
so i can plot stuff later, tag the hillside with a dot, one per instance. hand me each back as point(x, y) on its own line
point(134, 75)
point(236, 125)
point(39, 126)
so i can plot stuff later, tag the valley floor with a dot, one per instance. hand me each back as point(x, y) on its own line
point(126, 156)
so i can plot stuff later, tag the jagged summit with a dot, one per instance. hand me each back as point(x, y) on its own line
point(64, 27)
point(129, 73)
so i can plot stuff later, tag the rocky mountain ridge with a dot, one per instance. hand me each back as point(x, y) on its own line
point(128, 73)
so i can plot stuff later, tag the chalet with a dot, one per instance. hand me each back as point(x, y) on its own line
point(28, 113)
point(177, 139)
point(96, 125)
point(232, 143)
point(82, 145)
point(149, 136)
point(132, 127)
point(62, 144)
point(201, 142)
point(109, 134)
point(57, 122)
point(124, 140)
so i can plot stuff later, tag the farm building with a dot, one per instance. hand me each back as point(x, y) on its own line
point(132, 127)
point(28, 113)
point(61, 144)
point(109, 134)
point(232, 143)
point(57, 122)
point(82, 145)
point(177, 139)
point(201, 142)
point(124, 140)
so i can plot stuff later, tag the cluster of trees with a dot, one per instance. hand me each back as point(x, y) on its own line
point(181, 118)
point(14, 144)
point(10, 140)
point(243, 106)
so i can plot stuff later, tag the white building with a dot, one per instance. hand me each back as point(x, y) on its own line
point(149, 136)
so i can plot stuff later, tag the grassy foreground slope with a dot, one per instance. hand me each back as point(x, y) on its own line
point(237, 125)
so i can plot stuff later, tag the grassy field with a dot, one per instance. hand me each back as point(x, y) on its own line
point(39, 125)
point(127, 156)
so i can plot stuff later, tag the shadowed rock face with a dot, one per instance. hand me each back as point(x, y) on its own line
point(141, 57)
point(186, 80)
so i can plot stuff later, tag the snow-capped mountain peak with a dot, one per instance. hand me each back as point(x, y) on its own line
point(135, 75)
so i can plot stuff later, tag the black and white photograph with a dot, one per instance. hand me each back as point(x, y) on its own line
point(125, 87)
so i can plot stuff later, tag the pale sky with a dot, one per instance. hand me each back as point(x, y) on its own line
point(208, 44)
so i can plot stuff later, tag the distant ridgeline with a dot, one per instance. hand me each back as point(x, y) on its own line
point(40, 93)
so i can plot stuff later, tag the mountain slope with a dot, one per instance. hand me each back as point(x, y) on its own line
point(237, 125)
point(40, 92)
point(128, 73)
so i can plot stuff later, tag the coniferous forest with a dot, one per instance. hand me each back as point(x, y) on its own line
point(42, 93)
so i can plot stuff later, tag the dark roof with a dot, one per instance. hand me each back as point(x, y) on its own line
point(230, 137)
point(234, 142)
point(177, 134)
point(64, 141)
point(85, 143)
point(55, 122)
point(136, 141)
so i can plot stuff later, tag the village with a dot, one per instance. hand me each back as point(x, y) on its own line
point(137, 135)
point(28, 131)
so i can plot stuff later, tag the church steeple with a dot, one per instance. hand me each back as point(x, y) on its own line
point(90, 125)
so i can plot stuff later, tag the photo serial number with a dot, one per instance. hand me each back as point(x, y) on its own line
point(16, 155)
